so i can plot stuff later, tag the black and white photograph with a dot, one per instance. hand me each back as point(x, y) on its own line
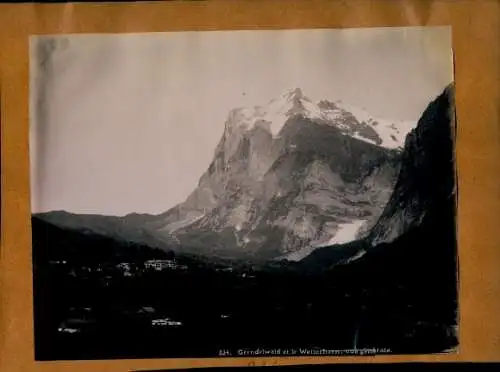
point(243, 193)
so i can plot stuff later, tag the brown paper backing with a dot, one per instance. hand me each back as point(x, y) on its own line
point(476, 42)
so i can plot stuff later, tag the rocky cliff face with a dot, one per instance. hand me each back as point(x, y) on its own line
point(285, 178)
point(427, 178)
point(421, 209)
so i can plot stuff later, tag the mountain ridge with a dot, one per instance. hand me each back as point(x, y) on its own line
point(284, 176)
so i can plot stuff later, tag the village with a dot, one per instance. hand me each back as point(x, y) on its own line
point(84, 319)
point(83, 316)
point(126, 269)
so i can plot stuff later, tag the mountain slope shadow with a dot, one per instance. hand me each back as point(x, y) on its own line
point(406, 269)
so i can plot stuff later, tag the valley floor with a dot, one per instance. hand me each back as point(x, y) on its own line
point(208, 311)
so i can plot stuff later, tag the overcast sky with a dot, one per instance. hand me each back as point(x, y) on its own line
point(128, 123)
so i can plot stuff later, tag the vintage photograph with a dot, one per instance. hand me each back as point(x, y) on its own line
point(243, 193)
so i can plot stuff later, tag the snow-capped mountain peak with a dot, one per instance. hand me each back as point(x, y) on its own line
point(274, 114)
point(358, 123)
point(351, 120)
